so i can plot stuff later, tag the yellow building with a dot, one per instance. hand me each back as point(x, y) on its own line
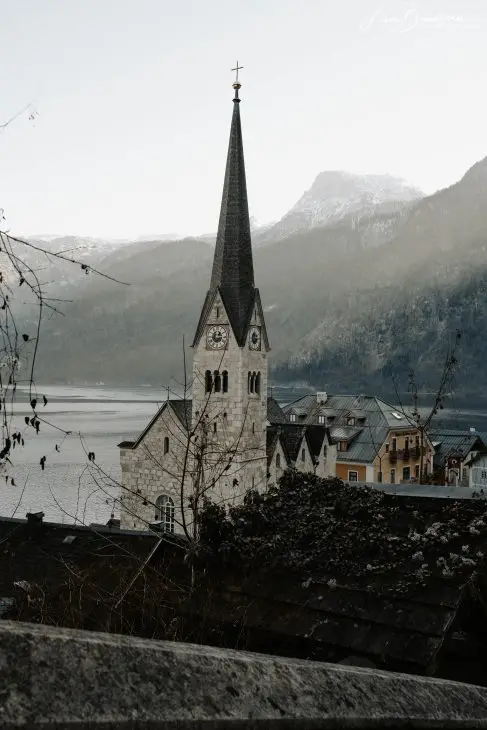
point(374, 442)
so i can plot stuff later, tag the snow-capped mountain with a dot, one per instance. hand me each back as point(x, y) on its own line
point(336, 194)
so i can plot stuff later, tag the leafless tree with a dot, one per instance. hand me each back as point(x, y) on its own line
point(19, 342)
point(422, 421)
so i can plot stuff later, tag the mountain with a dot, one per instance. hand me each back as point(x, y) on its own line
point(348, 304)
point(336, 194)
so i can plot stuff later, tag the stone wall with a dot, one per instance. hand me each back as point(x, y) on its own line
point(153, 471)
point(65, 678)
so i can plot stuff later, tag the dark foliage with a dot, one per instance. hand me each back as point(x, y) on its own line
point(358, 536)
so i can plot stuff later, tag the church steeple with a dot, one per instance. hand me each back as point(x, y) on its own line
point(233, 270)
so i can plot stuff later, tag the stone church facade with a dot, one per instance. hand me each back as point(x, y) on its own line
point(214, 445)
point(231, 437)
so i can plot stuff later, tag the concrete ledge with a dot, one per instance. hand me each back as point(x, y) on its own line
point(66, 678)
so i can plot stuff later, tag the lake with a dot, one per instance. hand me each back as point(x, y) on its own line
point(99, 418)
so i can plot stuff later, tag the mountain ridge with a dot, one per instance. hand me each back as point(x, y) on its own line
point(373, 291)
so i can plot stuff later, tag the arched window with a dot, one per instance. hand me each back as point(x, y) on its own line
point(249, 383)
point(257, 383)
point(165, 512)
point(166, 444)
point(208, 382)
point(278, 461)
point(225, 381)
point(252, 383)
point(217, 381)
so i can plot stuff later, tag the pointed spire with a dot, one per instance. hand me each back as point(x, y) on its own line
point(233, 269)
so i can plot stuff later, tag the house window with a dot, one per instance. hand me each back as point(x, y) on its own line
point(406, 444)
point(393, 476)
point(353, 476)
point(406, 473)
point(249, 382)
point(225, 381)
point(218, 312)
point(257, 383)
point(483, 474)
point(322, 419)
point(165, 512)
point(208, 382)
point(217, 381)
point(252, 383)
point(416, 471)
point(253, 428)
point(342, 446)
point(394, 444)
point(166, 444)
point(292, 417)
point(303, 455)
point(350, 421)
point(379, 477)
point(387, 448)
point(214, 427)
point(324, 451)
point(278, 461)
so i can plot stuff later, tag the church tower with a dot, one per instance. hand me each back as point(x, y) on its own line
point(230, 345)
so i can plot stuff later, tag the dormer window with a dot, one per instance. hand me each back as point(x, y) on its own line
point(342, 446)
point(351, 421)
point(292, 417)
point(322, 419)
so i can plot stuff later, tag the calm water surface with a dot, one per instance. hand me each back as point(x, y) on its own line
point(68, 489)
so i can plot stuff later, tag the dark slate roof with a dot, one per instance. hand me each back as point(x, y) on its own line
point(317, 436)
point(272, 438)
point(182, 409)
point(233, 269)
point(375, 418)
point(291, 439)
point(275, 414)
point(409, 632)
point(451, 442)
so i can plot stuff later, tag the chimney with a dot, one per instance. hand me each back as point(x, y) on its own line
point(34, 518)
point(321, 397)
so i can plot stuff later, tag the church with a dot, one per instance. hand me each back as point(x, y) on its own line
point(230, 437)
point(214, 445)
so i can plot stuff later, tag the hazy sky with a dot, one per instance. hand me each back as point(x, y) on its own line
point(134, 103)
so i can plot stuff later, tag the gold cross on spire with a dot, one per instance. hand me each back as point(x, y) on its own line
point(237, 69)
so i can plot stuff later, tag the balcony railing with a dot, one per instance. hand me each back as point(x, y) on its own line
point(406, 455)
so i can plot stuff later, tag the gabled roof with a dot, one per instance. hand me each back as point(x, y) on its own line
point(275, 414)
point(455, 443)
point(272, 439)
point(317, 436)
point(365, 438)
point(291, 439)
point(181, 408)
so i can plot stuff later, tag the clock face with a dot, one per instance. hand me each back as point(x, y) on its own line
point(254, 338)
point(217, 337)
